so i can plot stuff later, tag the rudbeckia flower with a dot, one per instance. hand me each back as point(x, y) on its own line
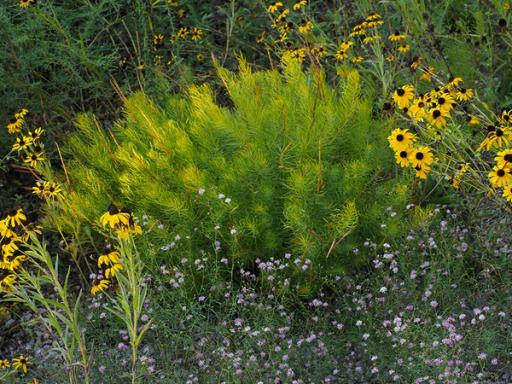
point(21, 363)
point(403, 95)
point(102, 286)
point(114, 218)
point(4, 364)
point(305, 26)
point(504, 159)
point(274, 6)
point(464, 94)
point(445, 102)
point(506, 117)
point(15, 125)
point(421, 157)
point(500, 177)
point(404, 48)
point(496, 138)
point(422, 171)
point(473, 120)
point(158, 39)
point(402, 158)
point(507, 193)
point(437, 117)
point(299, 4)
point(112, 271)
point(401, 139)
point(196, 34)
point(110, 258)
point(15, 218)
point(22, 143)
point(418, 109)
point(34, 158)
point(397, 36)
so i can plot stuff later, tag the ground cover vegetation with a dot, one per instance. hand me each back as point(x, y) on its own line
point(255, 192)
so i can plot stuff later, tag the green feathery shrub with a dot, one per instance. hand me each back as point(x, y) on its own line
point(291, 164)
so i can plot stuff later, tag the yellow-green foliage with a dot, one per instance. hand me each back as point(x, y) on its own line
point(305, 165)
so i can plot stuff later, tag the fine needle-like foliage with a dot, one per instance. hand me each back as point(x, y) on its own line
point(292, 164)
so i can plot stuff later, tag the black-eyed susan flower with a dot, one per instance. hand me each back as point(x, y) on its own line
point(14, 218)
point(34, 158)
point(437, 117)
point(318, 51)
point(422, 171)
point(114, 218)
point(496, 138)
point(281, 18)
point(260, 38)
point(417, 111)
point(357, 59)
point(109, 258)
point(403, 95)
point(39, 189)
point(305, 26)
point(445, 102)
point(421, 157)
point(507, 193)
point(100, 286)
point(158, 39)
point(22, 143)
point(427, 74)
point(10, 246)
point(274, 6)
point(464, 94)
point(397, 36)
point(200, 57)
point(505, 117)
point(473, 120)
point(5, 230)
point(182, 33)
point(21, 363)
point(26, 3)
point(123, 63)
point(401, 139)
point(7, 282)
point(174, 3)
point(370, 39)
point(15, 125)
point(36, 134)
point(4, 364)
point(500, 177)
point(504, 159)
point(182, 13)
point(157, 59)
point(454, 82)
point(404, 48)
point(113, 270)
point(196, 34)
point(299, 4)
point(341, 54)
point(402, 158)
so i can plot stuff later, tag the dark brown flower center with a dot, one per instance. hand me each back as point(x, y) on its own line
point(499, 132)
point(419, 156)
point(400, 92)
point(508, 158)
point(403, 154)
point(399, 137)
point(436, 114)
point(500, 173)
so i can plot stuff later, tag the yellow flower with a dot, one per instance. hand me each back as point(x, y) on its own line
point(496, 138)
point(112, 271)
point(444, 102)
point(7, 282)
point(4, 364)
point(110, 258)
point(274, 6)
point(182, 13)
point(417, 110)
point(401, 140)
point(422, 171)
point(404, 48)
point(341, 54)
point(22, 143)
point(437, 117)
point(182, 33)
point(507, 193)
point(473, 120)
point(464, 94)
point(23, 111)
point(36, 134)
point(196, 34)
point(453, 83)
point(299, 4)
point(34, 158)
point(397, 36)
point(21, 363)
point(158, 39)
point(319, 51)
point(26, 3)
point(500, 177)
point(421, 157)
point(200, 57)
point(403, 95)
point(402, 158)
point(15, 125)
point(114, 218)
point(357, 59)
point(15, 218)
point(504, 159)
point(102, 286)
point(370, 39)
point(305, 26)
